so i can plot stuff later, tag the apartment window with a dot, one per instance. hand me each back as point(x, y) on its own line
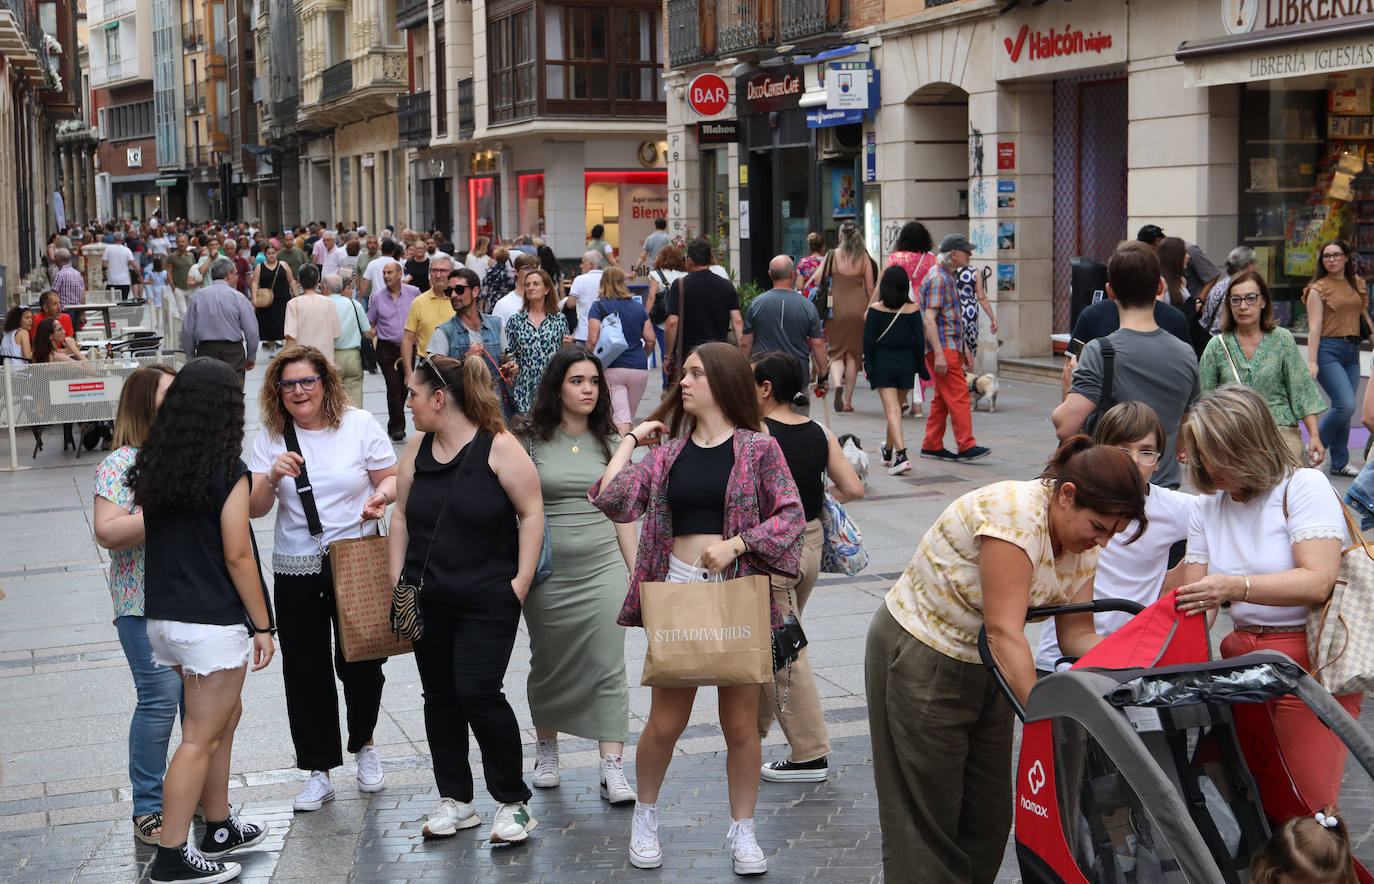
point(112, 55)
point(511, 52)
point(575, 45)
point(126, 122)
point(440, 91)
point(195, 80)
point(217, 27)
point(336, 47)
point(388, 32)
point(345, 187)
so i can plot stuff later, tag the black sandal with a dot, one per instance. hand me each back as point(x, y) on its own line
point(145, 826)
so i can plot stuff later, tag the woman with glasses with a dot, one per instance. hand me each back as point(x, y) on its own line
point(468, 527)
point(1134, 571)
point(344, 457)
point(1257, 352)
point(1336, 299)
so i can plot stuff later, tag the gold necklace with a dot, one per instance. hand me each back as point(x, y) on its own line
point(712, 443)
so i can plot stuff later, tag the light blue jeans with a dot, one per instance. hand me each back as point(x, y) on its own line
point(1338, 372)
point(159, 696)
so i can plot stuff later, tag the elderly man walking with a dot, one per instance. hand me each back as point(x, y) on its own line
point(586, 288)
point(179, 265)
point(220, 322)
point(69, 285)
point(780, 320)
point(387, 311)
point(940, 312)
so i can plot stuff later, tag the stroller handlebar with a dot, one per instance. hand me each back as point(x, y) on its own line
point(1096, 606)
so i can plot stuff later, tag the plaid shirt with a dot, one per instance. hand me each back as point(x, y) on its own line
point(938, 293)
point(70, 286)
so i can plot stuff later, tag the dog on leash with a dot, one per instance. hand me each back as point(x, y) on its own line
point(855, 454)
point(980, 387)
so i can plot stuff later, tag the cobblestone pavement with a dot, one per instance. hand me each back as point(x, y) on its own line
point(67, 697)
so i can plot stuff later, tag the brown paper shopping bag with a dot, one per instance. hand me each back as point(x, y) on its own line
point(362, 591)
point(707, 633)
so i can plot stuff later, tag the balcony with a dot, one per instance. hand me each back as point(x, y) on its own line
point(691, 30)
point(194, 99)
point(412, 119)
point(198, 156)
point(21, 40)
point(411, 13)
point(193, 34)
point(336, 81)
point(284, 112)
point(113, 73)
point(111, 10)
point(799, 19)
point(467, 113)
point(746, 24)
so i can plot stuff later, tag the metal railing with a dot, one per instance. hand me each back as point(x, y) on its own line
point(192, 33)
point(691, 30)
point(412, 119)
point(194, 98)
point(197, 155)
point(111, 10)
point(746, 24)
point(336, 81)
point(804, 18)
point(467, 112)
point(410, 13)
point(114, 71)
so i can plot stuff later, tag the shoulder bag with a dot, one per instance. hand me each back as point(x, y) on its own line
point(262, 298)
point(659, 314)
point(544, 569)
point(842, 551)
point(366, 352)
point(1340, 631)
point(611, 343)
point(407, 618)
point(1230, 360)
point(674, 368)
point(823, 286)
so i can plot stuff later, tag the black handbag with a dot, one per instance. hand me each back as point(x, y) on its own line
point(366, 352)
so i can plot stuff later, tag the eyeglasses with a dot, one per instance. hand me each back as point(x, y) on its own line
point(1144, 458)
point(1328, 256)
point(439, 271)
point(1248, 300)
point(306, 384)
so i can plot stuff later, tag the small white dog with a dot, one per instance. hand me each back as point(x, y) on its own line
point(980, 387)
point(855, 454)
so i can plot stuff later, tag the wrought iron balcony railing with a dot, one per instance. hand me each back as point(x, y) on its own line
point(412, 119)
point(336, 81)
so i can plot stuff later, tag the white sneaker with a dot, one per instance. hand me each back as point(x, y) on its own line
point(513, 823)
point(614, 787)
point(645, 852)
point(450, 816)
point(318, 790)
point(744, 849)
point(371, 777)
point(546, 764)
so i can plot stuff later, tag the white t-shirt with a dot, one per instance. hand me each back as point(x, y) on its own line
point(1133, 571)
point(160, 245)
point(1231, 537)
point(509, 305)
point(117, 258)
point(586, 289)
point(337, 462)
point(333, 260)
point(374, 271)
point(478, 264)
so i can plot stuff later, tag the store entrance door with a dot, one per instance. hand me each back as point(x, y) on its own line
point(762, 212)
point(1090, 124)
point(442, 218)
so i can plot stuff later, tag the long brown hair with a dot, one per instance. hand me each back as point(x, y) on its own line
point(1266, 319)
point(468, 384)
point(1320, 272)
point(138, 404)
point(550, 299)
point(1172, 252)
point(1105, 480)
point(274, 413)
point(732, 387)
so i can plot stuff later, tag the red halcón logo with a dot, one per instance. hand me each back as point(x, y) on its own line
point(1048, 44)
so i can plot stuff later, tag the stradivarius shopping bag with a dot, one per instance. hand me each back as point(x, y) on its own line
point(714, 633)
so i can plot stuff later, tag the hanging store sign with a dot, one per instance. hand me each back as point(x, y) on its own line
point(1046, 40)
point(708, 95)
point(862, 78)
point(718, 132)
point(774, 89)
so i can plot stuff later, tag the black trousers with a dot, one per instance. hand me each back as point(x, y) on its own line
point(306, 622)
point(389, 359)
point(462, 661)
point(226, 351)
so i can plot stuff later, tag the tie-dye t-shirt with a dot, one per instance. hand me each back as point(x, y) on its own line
point(126, 565)
point(939, 597)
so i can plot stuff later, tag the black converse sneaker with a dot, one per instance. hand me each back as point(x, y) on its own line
point(796, 771)
point(224, 837)
point(186, 865)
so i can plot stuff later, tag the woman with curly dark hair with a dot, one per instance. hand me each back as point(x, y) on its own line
point(311, 434)
point(577, 682)
point(207, 609)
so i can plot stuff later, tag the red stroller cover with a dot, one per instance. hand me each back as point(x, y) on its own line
point(1157, 636)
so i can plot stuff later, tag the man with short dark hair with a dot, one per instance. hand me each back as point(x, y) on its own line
point(372, 280)
point(68, 283)
point(220, 322)
point(120, 267)
point(654, 243)
point(1199, 270)
point(387, 311)
point(710, 308)
point(1149, 364)
point(782, 320)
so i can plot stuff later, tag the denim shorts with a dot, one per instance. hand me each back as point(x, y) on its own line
point(681, 572)
point(199, 648)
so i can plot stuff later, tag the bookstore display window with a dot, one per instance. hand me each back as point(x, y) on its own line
point(1305, 179)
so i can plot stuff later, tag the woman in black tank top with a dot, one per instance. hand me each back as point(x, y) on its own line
point(811, 452)
point(467, 528)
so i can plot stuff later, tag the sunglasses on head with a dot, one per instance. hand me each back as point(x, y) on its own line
point(439, 382)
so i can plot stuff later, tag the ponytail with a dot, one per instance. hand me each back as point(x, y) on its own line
point(1105, 479)
point(469, 388)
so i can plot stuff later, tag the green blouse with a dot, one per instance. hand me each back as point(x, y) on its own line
point(1276, 371)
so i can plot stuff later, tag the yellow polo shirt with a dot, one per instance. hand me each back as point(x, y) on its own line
point(939, 597)
point(427, 312)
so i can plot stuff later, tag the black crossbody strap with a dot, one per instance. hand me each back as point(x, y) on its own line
point(458, 471)
point(303, 489)
point(1108, 371)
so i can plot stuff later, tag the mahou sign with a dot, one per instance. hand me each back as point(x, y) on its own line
point(708, 95)
point(774, 89)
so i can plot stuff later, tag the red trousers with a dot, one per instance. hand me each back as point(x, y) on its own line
point(950, 398)
point(1314, 756)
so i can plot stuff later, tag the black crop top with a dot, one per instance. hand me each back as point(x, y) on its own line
point(806, 449)
point(696, 488)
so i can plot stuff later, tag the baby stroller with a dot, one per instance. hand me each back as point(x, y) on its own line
point(1132, 768)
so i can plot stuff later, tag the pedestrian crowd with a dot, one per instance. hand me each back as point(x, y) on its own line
point(573, 512)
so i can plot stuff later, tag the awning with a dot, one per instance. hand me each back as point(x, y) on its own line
point(258, 149)
point(1296, 51)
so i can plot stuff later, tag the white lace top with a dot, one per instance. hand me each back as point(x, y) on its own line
point(1253, 537)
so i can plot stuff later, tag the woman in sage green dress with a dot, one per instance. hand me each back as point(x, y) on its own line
point(577, 651)
point(1257, 352)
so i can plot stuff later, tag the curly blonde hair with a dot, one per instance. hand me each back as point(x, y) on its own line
point(274, 413)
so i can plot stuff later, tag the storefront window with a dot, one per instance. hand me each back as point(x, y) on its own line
point(483, 204)
point(531, 205)
point(715, 193)
point(1304, 181)
point(626, 204)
